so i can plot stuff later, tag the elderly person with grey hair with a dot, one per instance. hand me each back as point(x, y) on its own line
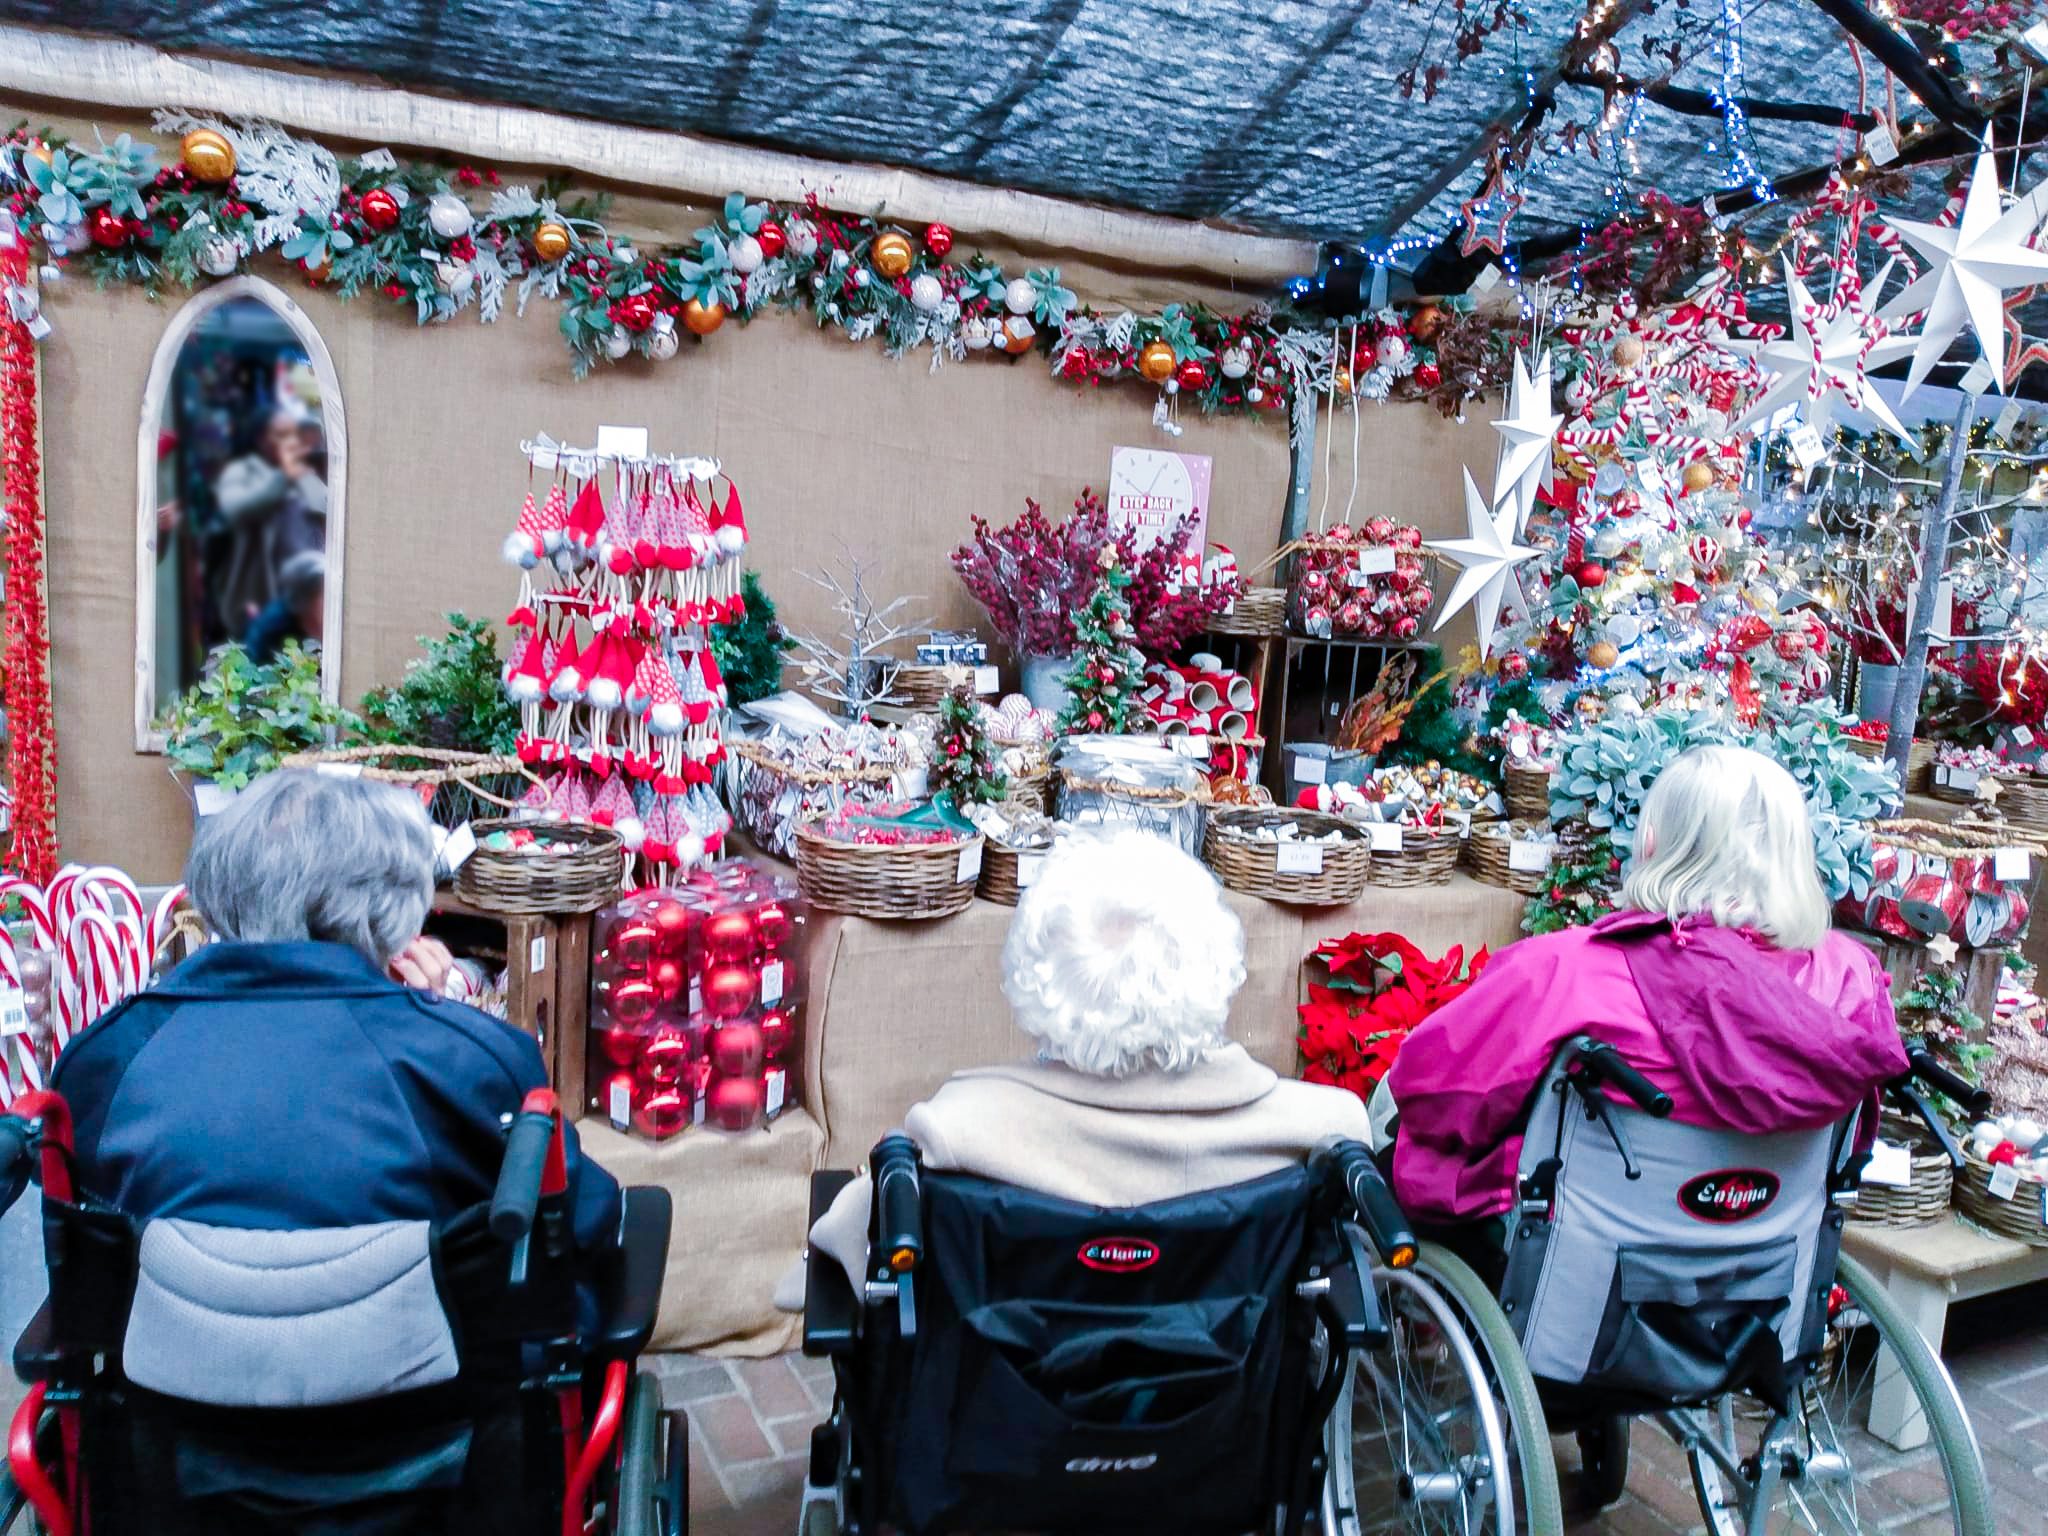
point(304, 1071)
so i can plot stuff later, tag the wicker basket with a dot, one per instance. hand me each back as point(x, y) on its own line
point(1427, 856)
point(2023, 800)
point(1491, 851)
point(2018, 1218)
point(757, 780)
point(921, 687)
point(1171, 813)
point(912, 880)
point(1031, 791)
point(1251, 864)
point(1527, 791)
point(536, 884)
point(455, 787)
point(1258, 612)
point(1950, 792)
point(1925, 1199)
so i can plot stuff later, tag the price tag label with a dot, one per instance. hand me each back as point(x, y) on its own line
point(1385, 836)
point(696, 995)
point(1028, 866)
point(1299, 858)
point(1879, 144)
point(2036, 39)
point(2012, 864)
point(340, 770)
point(545, 458)
point(970, 863)
point(1654, 483)
point(986, 680)
point(2007, 419)
point(2004, 1182)
point(456, 848)
point(1963, 778)
point(771, 983)
point(1190, 746)
point(622, 442)
point(211, 799)
point(537, 954)
point(619, 1105)
point(1531, 855)
point(1807, 448)
point(776, 1088)
point(1977, 379)
point(1487, 280)
point(1311, 770)
point(1376, 560)
point(2023, 736)
point(13, 1012)
point(1890, 1165)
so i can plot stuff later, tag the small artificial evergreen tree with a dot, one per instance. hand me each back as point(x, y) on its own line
point(1103, 684)
point(965, 765)
point(749, 650)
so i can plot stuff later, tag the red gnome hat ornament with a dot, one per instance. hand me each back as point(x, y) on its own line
point(586, 522)
point(524, 680)
point(732, 525)
point(665, 714)
point(526, 545)
point(554, 521)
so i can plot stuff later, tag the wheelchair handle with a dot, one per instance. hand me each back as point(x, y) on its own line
point(1920, 1063)
point(532, 1167)
point(1378, 1211)
point(899, 1203)
point(1602, 1064)
point(17, 1159)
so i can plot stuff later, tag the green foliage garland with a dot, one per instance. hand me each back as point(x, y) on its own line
point(241, 719)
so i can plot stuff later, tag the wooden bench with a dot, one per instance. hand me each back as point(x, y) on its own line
point(1923, 1269)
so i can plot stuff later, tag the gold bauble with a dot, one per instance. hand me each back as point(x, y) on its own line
point(207, 154)
point(1425, 322)
point(1699, 476)
point(891, 254)
point(1628, 351)
point(1340, 381)
point(551, 241)
point(1017, 335)
point(701, 319)
point(1156, 361)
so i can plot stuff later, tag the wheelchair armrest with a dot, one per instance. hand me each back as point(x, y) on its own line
point(831, 1310)
point(35, 1352)
point(1349, 1307)
point(632, 1288)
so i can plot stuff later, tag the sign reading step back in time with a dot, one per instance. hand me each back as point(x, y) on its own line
point(1151, 490)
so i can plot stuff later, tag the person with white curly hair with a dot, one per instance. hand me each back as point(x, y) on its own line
point(1120, 968)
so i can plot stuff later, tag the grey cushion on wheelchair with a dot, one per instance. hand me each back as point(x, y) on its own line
point(1635, 1242)
point(254, 1319)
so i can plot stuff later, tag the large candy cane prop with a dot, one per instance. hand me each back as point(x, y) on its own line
point(20, 1071)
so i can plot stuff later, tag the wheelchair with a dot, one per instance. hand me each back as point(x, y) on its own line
point(1694, 1277)
point(1214, 1364)
point(366, 1381)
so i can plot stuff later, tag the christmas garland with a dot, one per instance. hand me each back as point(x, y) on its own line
point(32, 752)
point(409, 234)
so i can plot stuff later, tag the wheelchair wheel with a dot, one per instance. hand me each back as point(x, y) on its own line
point(1820, 1470)
point(1441, 1430)
point(1603, 1463)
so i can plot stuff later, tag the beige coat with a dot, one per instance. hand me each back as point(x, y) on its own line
point(1109, 1141)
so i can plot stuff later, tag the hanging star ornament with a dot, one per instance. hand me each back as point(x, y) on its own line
point(1527, 432)
point(1969, 268)
point(1488, 555)
point(1487, 217)
point(1824, 361)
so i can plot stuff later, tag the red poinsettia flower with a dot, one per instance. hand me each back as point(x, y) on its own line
point(1375, 989)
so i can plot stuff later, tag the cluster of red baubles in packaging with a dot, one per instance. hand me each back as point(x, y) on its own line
point(1366, 582)
point(694, 1003)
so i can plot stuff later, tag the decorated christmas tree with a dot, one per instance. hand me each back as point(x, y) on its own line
point(1107, 668)
point(965, 763)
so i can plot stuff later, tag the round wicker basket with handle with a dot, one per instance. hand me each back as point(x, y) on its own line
point(1426, 856)
point(1493, 854)
point(1247, 862)
point(897, 881)
point(1258, 611)
point(2018, 1216)
point(1527, 792)
point(454, 786)
point(583, 878)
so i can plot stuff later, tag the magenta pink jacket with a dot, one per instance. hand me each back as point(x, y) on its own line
point(1742, 1035)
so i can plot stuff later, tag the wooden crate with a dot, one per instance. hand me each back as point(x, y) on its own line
point(547, 994)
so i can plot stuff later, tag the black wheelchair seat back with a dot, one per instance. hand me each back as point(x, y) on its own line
point(1083, 1368)
point(1656, 1264)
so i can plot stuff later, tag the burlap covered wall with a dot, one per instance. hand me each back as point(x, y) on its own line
point(829, 442)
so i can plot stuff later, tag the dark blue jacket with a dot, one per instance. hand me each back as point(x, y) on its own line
point(294, 1085)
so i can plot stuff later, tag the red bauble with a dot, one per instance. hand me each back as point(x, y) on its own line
point(729, 989)
point(771, 239)
point(737, 1049)
point(1428, 375)
point(632, 946)
point(672, 923)
point(1791, 645)
point(380, 209)
point(1364, 358)
point(1590, 575)
point(1094, 719)
point(1193, 375)
point(730, 935)
point(106, 227)
point(1351, 617)
point(621, 1046)
point(631, 1003)
point(1379, 529)
point(778, 1030)
point(938, 240)
point(1684, 592)
point(668, 979)
point(1314, 583)
point(772, 922)
point(736, 1103)
point(663, 1113)
point(666, 1056)
point(1514, 665)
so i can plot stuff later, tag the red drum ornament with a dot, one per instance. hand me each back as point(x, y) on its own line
point(771, 239)
point(938, 239)
point(729, 989)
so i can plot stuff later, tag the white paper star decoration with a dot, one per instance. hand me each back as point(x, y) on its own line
point(1969, 268)
point(1527, 432)
point(1488, 556)
point(1823, 362)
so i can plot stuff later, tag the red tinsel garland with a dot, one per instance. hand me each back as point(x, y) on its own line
point(32, 756)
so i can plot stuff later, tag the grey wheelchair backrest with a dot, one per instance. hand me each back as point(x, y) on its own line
point(1720, 1224)
point(290, 1319)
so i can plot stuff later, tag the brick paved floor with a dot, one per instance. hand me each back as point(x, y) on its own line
point(751, 1422)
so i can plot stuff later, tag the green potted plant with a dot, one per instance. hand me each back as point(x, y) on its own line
point(241, 719)
point(453, 696)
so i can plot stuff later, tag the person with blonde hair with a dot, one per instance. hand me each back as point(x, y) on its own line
point(1120, 967)
point(1718, 977)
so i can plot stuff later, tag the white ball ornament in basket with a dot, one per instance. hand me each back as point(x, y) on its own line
point(449, 216)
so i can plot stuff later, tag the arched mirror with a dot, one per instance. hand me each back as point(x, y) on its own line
point(241, 474)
